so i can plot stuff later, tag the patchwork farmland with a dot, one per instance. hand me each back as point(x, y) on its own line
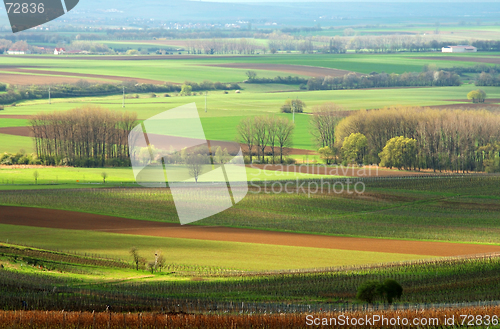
point(88, 238)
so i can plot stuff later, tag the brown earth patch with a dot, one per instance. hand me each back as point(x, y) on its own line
point(28, 79)
point(73, 76)
point(80, 221)
point(17, 131)
point(312, 71)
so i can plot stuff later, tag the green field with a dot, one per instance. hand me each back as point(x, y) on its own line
point(459, 209)
point(12, 143)
point(224, 112)
point(55, 176)
point(447, 208)
point(197, 69)
point(195, 252)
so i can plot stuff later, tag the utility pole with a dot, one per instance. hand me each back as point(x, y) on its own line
point(49, 96)
point(206, 92)
point(293, 111)
point(123, 101)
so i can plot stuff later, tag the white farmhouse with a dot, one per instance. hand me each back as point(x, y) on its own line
point(59, 51)
point(459, 49)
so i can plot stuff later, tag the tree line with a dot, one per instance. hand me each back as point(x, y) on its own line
point(89, 136)
point(381, 80)
point(222, 46)
point(84, 88)
point(266, 135)
point(456, 140)
point(352, 80)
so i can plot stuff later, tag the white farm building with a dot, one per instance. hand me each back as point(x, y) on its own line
point(459, 49)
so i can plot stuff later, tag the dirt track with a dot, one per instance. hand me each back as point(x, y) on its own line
point(80, 221)
point(311, 71)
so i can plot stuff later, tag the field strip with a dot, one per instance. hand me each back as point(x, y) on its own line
point(489, 60)
point(61, 219)
point(73, 75)
point(312, 71)
point(29, 79)
point(132, 57)
point(16, 131)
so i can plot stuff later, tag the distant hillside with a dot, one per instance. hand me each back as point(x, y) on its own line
point(294, 13)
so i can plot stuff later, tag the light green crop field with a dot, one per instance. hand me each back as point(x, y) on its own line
point(224, 112)
point(447, 32)
point(234, 255)
point(197, 68)
point(13, 122)
point(54, 176)
point(13, 144)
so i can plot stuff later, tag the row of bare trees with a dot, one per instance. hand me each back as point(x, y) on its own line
point(266, 132)
point(457, 140)
point(89, 136)
point(222, 46)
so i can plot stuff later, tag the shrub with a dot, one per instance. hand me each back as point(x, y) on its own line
point(3, 87)
point(391, 290)
point(289, 104)
point(369, 291)
point(1, 107)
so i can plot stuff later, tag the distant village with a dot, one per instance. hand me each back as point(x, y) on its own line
point(44, 50)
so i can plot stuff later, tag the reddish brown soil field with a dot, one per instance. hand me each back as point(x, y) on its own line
point(491, 60)
point(80, 221)
point(18, 131)
point(27, 79)
point(311, 71)
point(53, 77)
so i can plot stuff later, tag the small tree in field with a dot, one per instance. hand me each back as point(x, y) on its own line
point(186, 90)
point(477, 96)
point(354, 148)
point(392, 290)
point(195, 165)
point(369, 291)
point(160, 260)
point(327, 154)
point(104, 175)
point(293, 105)
point(138, 260)
point(389, 290)
point(35, 175)
point(251, 75)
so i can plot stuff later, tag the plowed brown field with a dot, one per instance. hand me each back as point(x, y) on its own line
point(81, 221)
